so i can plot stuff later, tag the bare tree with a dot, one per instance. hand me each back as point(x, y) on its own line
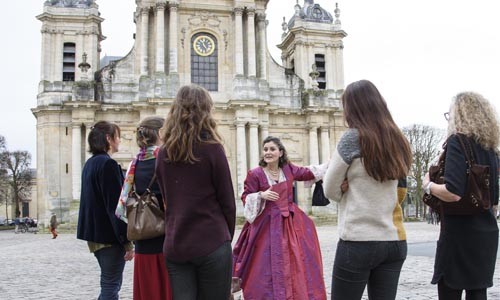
point(18, 174)
point(425, 142)
point(3, 178)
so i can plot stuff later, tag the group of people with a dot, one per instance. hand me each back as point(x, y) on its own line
point(277, 254)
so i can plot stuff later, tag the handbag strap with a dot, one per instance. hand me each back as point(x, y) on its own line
point(467, 149)
point(148, 189)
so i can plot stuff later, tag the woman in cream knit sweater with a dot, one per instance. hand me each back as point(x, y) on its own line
point(365, 174)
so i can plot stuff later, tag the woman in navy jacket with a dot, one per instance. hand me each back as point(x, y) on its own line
point(106, 235)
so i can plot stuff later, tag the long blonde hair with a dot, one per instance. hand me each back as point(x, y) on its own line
point(474, 116)
point(189, 122)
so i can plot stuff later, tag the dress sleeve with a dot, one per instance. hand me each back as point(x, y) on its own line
point(254, 205)
point(224, 187)
point(301, 173)
point(455, 168)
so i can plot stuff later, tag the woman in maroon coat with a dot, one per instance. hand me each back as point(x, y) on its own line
point(277, 255)
point(194, 178)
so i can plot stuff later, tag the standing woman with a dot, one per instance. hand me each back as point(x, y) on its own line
point(193, 174)
point(467, 246)
point(105, 234)
point(371, 157)
point(150, 274)
point(277, 255)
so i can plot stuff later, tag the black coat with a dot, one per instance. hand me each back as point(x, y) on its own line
point(467, 248)
point(102, 179)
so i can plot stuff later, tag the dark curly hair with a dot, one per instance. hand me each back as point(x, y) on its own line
point(283, 159)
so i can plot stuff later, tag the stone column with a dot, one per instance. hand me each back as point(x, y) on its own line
point(144, 40)
point(173, 38)
point(313, 146)
point(80, 44)
point(340, 64)
point(264, 132)
point(88, 127)
point(241, 155)
point(238, 42)
point(254, 144)
point(45, 62)
point(330, 67)
point(160, 37)
point(58, 48)
point(76, 159)
point(325, 144)
point(252, 70)
point(261, 23)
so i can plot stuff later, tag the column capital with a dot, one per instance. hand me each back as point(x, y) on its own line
point(173, 6)
point(238, 11)
point(312, 127)
point(145, 10)
point(253, 124)
point(251, 12)
point(261, 17)
point(324, 128)
point(240, 123)
point(161, 5)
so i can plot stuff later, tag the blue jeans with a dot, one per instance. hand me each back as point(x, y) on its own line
point(112, 263)
point(203, 278)
point(372, 263)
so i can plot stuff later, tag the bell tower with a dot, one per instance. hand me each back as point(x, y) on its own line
point(313, 37)
point(71, 36)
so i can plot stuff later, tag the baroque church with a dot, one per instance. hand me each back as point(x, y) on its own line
point(218, 44)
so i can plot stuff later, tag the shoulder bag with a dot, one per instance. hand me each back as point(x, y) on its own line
point(477, 193)
point(146, 220)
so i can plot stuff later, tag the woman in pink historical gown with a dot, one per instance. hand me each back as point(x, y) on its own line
point(277, 255)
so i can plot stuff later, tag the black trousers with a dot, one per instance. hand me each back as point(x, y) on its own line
point(447, 293)
point(203, 278)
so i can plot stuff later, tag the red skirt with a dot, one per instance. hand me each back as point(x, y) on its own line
point(151, 280)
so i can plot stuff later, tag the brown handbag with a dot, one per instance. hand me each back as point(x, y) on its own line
point(477, 193)
point(146, 220)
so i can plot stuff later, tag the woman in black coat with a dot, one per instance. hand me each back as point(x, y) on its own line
point(467, 246)
point(106, 235)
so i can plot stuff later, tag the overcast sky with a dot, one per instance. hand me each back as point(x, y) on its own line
point(418, 53)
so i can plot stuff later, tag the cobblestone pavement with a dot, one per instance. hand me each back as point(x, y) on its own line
point(34, 266)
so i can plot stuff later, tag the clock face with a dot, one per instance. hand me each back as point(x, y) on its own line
point(204, 45)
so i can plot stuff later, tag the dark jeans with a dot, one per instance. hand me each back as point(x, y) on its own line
point(377, 264)
point(112, 263)
point(447, 293)
point(203, 278)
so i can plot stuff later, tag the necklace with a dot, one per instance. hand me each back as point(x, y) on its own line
point(274, 173)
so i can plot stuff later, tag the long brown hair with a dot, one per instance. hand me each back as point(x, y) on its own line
point(189, 122)
point(385, 151)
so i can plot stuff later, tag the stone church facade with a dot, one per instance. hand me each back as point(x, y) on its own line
point(218, 44)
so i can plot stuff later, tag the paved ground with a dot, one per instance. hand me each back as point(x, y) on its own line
point(33, 266)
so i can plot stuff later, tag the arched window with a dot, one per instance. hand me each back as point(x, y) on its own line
point(319, 60)
point(204, 61)
point(69, 51)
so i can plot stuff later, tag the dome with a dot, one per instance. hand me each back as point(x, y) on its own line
point(311, 12)
point(70, 3)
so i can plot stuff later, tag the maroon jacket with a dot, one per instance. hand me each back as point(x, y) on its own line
point(200, 205)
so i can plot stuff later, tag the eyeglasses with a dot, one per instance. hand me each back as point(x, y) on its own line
point(447, 116)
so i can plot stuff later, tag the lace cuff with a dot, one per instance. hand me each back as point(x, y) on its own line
point(318, 171)
point(254, 205)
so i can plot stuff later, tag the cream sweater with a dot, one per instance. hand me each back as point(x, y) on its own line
point(369, 210)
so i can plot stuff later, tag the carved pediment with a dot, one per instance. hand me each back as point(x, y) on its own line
point(204, 18)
